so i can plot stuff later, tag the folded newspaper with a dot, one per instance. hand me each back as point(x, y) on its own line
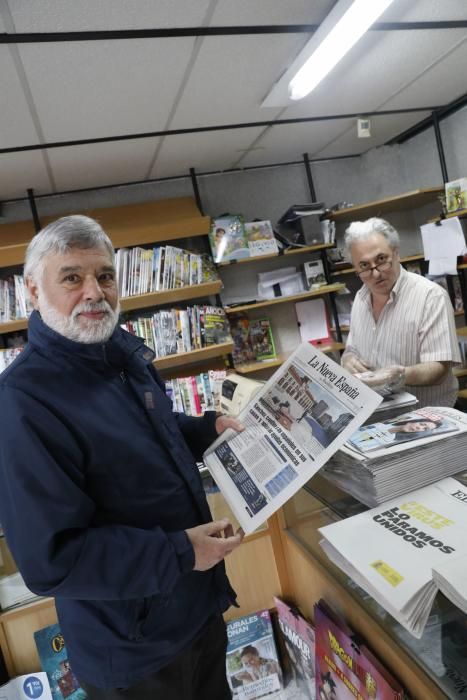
point(389, 458)
point(403, 551)
point(298, 419)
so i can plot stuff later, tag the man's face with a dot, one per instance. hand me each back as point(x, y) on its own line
point(77, 294)
point(373, 251)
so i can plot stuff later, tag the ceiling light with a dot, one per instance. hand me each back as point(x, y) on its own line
point(350, 28)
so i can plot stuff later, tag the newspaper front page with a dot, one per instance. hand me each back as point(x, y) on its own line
point(301, 416)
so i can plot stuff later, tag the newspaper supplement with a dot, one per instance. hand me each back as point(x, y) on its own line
point(293, 425)
point(403, 550)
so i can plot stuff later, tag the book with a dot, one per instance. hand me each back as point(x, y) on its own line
point(54, 661)
point(297, 636)
point(262, 340)
point(260, 238)
point(456, 195)
point(252, 661)
point(228, 239)
point(32, 686)
point(216, 326)
point(240, 331)
point(345, 667)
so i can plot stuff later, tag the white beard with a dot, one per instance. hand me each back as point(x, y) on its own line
point(80, 329)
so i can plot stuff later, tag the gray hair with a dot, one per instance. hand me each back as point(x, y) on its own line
point(361, 230)
point(60, 237)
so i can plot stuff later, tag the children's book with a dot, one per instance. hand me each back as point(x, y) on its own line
point(262, 340)
point(261, 239)
point(297, 637)
point(228, 239)
point(253, 668)
point(54, 660)
point(240, 331)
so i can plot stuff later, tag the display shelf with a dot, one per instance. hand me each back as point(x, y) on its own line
point(11, 326)
point(259, 365)
point(462, 331)
point(169, 296)
point(407, 200)
point(348, 270)
point(328, 289)
point(185, 358)
point(462, 213)
point(320, 503)
point(460, 371)
point(288, 251)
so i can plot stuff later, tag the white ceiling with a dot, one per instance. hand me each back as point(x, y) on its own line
point(71, 91)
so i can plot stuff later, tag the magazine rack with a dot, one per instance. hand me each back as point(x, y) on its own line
point(431, 667)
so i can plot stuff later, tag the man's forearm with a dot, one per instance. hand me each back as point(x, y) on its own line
point(426, 373)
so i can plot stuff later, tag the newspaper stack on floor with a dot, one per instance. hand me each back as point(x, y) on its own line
point(403, 551)
point(297, 420)
point(383, 460)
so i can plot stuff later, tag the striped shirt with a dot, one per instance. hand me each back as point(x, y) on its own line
point(416, 325)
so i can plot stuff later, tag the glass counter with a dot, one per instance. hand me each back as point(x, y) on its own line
point(442, 650)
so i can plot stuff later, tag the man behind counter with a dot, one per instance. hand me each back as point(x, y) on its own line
point(402, 328)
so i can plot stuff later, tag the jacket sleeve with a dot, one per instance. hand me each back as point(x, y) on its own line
point(48, 517)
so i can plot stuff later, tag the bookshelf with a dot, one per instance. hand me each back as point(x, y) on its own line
point(378, 207)
point(326, 289)
point(287, 252)
point(259, 365)
point(185, 358)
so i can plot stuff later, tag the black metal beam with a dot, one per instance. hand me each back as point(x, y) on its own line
point(180, 32)
point(218, 127)
point(35, 215)
point(309, 177)
point(194, 184)
point(442, 112)
point(439, 145)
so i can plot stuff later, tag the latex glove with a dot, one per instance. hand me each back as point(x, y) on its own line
point(225, 422)
point(353, 363)
point(387, 380)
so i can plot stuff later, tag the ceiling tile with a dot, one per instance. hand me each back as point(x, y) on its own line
point(16, 124)
point(121, 87)
point(206, 151)
point(22, 171)
point(242, 12)
point(101, 164)
point(69, 15)
point(424, 11)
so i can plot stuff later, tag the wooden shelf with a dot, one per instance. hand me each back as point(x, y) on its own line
point(460, 372)
point(168, 296)
point(348, 270)
point(462, 331)
point(459, 313)
point(462, 394)
point(328, 289)
point(186, 358)
point(408, 200)
point(250, 367)
point(462, 213)
point(289, 251)
point(12, 326)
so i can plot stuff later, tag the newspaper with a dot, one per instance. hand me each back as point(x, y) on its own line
point(413, 545)
point(32, 686)
point(293, 425)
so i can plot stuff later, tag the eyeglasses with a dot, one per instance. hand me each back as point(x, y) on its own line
point(381, 266)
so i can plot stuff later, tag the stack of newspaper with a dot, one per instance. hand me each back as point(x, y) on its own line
point(402, 552)
point(383, 460)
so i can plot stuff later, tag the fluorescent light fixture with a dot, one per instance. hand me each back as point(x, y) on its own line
point(348, 30)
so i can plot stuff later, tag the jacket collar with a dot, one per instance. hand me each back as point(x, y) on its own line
point(117, 351)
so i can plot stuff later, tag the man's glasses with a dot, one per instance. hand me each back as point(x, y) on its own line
point(383, 263)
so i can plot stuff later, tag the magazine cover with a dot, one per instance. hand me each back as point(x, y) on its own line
point(32, 686)
point(298, 638)
point(423, 423)
point(260, 238)
point(345, 668)
point(252, 662)
point(216, 325)
point(228, 240)
point(240, 330)
point(262, 339)
point(54, 660)
point(456, 194)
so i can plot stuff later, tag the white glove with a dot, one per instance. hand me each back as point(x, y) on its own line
point(387, 380)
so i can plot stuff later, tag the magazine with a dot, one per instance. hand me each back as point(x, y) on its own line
point(296, 421)
point(228, 239)
point(422, 423)
point(262, 339)
point(54, 660)
point(32, 686)
point(260, 238)
point(298, 638)
point(252, 662)
point(240, 330)
point(345, 667)
point(414, 544)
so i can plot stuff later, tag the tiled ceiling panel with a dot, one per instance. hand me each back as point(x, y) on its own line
point(425, 11)
point(121, 87)
point(16, 124)
point(231, 77)
point(86, 15)
point(101, 163)
point(382, 130)
point(21, 171)
point(205, 151)
point(242, 12)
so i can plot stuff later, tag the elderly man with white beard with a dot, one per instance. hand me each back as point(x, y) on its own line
point(100, 496)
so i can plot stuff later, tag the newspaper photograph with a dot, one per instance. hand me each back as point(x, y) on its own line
point(293, 425)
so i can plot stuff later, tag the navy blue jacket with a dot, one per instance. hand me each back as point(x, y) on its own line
point(98, 482)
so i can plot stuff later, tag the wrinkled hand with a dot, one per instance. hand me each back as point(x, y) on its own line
point(224, 422)
point(354, 364)
point(386, 380)
point(212, 542)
